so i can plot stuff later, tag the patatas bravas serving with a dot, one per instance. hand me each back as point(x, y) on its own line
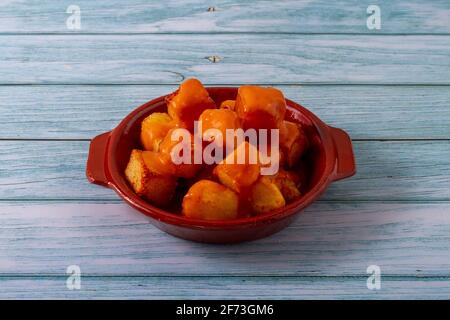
point(241, 177)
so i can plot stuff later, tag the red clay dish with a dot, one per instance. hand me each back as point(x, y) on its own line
point(329, 158)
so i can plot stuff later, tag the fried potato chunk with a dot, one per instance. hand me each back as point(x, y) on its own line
point(287, 183)
point(236, 174)
point(211, 201)
point(265, 196)
point(293, 142)
point(136, 172)
point(154, 128)
point(187, 103)
point(228, 104)
point(183, 170)
point(158, 189)
point(220, 119)
point(157, 163)
point(205, 173)
point(260, 108)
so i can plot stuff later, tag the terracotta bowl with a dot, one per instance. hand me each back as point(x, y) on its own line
point(329, 158)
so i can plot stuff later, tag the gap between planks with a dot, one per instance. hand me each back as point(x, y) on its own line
point(193, 33)
point(285, 84)
point(222, 275)
point(355, 140)
point(120, 200)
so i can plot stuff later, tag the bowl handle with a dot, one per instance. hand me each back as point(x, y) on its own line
point(95, 169)
point(345, 160)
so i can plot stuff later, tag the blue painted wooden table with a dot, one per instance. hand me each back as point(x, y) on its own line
point(388, 87)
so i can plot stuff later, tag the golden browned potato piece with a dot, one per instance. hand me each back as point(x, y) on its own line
point(265, 196)
point(260, 108)
point(205, 173)
point(188, 102)
point(136, 172)
point(293, 142)
point(184, 170)
point(210, 201)
point(228, 104)
point(157, 163)
point(220, 119)
point(154, 128)
point(238, 176)
point(158, 189)
point(286, 183)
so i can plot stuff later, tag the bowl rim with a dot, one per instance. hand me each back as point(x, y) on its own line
point(116, 181)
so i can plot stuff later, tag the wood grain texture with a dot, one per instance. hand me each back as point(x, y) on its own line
point(365, 112)
point(168, 59)
point(223, 288)
point(392, 170)
point(306, 16)
point(329, 239)
point(388, 88)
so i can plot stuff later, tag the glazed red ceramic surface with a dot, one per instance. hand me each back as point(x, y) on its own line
point(329, 158)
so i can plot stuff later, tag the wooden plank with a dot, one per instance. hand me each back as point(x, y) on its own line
point(168, 59)
point(224, 288)
point(366, 112)
point(316, 16)
point(391, 170)
point(329, 239)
